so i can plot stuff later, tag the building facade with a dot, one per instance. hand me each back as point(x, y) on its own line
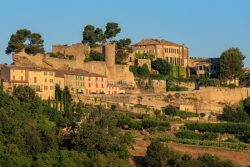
point(43, 81)
point(200, 67)
point(175, 54)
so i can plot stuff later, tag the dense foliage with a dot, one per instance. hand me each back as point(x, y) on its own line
point(23, 39)
point(231, 64)
point(246, 105)
point(123, 49)
point(140, 71)
point(125, 121)
point(162, 66)
point(93, 36)
point(36, 133)
point(159, 155)
point(231, 114)
point(187, 134)
point(94, 56)
point(232, 128)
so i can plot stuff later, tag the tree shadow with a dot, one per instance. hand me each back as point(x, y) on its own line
point(140, 161)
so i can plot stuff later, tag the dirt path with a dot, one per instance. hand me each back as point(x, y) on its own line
point(239, 157)
point(138, 151)
point(140, 147)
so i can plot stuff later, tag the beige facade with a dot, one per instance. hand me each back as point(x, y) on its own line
point(175, 54)
point(43, 81)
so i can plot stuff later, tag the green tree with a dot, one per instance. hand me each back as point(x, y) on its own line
point(208, 160)
point(123, 49)
point(162, 66)
point(231, 64)
point(170, 110)
point(99, 36)
point(23, 39)
point(27, 95)
point(158, 155)
point(234, 114)
point(89, 35)
point(246, 104)
point(92, 35)
point(112, 29)
point(143, 70)
point(67, 104)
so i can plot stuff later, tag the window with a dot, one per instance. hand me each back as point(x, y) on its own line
point(21, 78)
point(96, 78)
point(51, 73)
point(102, 86)
point(51, 87)
point(45, 80)
point(14, 77)
point(96, 85)
point(45, 87)
point(51, 80)
point(89, 78)
point(45, 73)
point(102, 79)
point(35, 80)
point(89, 84)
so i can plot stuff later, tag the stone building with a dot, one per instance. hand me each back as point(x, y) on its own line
point(114, 72)
point(42, 80)
point(175, 54)
point(204, 66)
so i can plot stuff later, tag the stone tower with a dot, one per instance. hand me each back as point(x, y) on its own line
point(109, 50)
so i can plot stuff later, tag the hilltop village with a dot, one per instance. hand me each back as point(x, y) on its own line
point(108, 102)
point(141, 73)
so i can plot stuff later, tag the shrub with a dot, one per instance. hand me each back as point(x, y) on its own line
point(232, 128)
point(94, 56)
point(187, 134)
point(162, 66)
point(170, 110)
point(177, 88)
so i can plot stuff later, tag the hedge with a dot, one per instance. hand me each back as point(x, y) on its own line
point(187, 134)
point(145, 123)
point(231, 128)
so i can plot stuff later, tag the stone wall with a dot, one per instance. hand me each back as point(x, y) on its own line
point(114, 72)
point(77, 50)
point(206, 100)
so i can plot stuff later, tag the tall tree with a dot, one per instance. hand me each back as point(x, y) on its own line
point(89, 35)
point(99, 36)
point(231, 64)
point(123, 49)
point(23, 39)
point(112, 29)
point(92, 35)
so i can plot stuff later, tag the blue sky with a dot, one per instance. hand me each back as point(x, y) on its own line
point(207, 27)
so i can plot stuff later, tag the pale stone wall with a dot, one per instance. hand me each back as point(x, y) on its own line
point(77, 50)
point(108, 68)
point(159, 86)
point(44, 61)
